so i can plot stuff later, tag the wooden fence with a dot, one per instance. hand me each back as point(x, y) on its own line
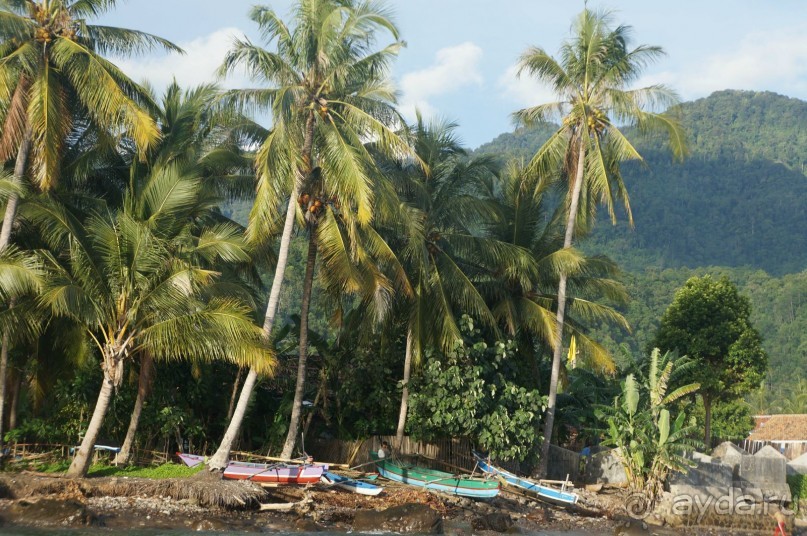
point(790, 449)
point(52, 452)
point(443, 452)
point(453, 454)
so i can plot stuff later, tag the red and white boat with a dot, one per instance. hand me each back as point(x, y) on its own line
point(278, 473)
point(267, 473)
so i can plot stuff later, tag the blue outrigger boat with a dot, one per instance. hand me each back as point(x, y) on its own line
point(545, 493)
point(351, 484)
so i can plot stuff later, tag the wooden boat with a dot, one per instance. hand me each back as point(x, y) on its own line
point(539, 491)
point(191, 460)
point(465, 486)
point(350, 484)
point(275, 473)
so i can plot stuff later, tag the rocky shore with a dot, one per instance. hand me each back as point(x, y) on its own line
point(205, 503)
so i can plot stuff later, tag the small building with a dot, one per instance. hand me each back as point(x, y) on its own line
point(785, 433)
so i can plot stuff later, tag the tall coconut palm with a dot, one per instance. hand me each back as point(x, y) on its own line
point(527, 313)
point(175, 192)
point(592, 79)
point(329, 94)
point(122, 282)
point(443, 247)
point(52, 68)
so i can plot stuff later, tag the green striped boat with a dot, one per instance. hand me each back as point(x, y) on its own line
point(465, 486)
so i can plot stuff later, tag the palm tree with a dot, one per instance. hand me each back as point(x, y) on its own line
point(120, 280)
point(526, 313)
point(592, 78)
point(329, 94)
point(195, 164)
point(52, 69)
point(20, 281)
point(438, 242)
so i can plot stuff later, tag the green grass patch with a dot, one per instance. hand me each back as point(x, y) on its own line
point(798, 486)
point(52, 467)
point(167, 470)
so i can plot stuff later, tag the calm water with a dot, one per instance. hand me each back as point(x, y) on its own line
point(101, 531)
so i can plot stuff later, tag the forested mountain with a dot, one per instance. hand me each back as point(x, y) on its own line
point(738, 199)
point(736, 206)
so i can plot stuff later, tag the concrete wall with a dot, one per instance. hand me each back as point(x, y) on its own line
point(563, 463)
point(798, 466)
point(605, 467)
point(708, 472)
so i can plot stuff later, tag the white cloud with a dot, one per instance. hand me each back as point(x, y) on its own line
point(524, 90)
point(454, 68)
point(198, 65)
point(761, 61)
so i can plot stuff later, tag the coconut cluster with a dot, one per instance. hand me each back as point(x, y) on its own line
point(596, 121)
point(49, 26)
point(315, 205)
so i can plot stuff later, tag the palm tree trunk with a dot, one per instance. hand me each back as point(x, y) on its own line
point(81, 463)
point(299, 390)
point(707, 409)
point(236, 385)
point(3, 376)
point(143, 388)
point(219, 460)
point(323, 385)
point(5, 238)
point(14, 199)
point(15, 400)
point(405, 393)
point(549, 418)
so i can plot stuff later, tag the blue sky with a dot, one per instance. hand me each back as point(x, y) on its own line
point(459, 62)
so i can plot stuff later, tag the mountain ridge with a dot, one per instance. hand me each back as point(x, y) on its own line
point(736, 201)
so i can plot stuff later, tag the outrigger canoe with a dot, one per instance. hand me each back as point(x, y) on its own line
point(464, 486)
point(545, 493)
point(350, 484)
point(273, 473)
point(276, 473)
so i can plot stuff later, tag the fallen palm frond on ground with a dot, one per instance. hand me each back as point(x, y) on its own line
point(207, 490)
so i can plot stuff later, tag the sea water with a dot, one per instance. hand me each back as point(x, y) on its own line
point(22, 531)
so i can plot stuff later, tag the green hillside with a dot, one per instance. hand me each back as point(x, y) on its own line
point(736, 201)
point(736, 206)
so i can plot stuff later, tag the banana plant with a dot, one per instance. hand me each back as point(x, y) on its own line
point(640, 424)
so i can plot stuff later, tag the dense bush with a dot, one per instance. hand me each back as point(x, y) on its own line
point(473, 391)
point(798, 489)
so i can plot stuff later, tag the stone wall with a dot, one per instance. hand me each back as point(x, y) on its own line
point(798, 466)
point(732, 473)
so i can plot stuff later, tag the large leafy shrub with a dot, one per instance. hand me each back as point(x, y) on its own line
point(472, 391)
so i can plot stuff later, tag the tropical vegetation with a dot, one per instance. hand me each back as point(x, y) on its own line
point(596, 101)
point(652, 436)
point(174, 276)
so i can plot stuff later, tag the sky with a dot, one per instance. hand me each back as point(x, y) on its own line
point(461, 55)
